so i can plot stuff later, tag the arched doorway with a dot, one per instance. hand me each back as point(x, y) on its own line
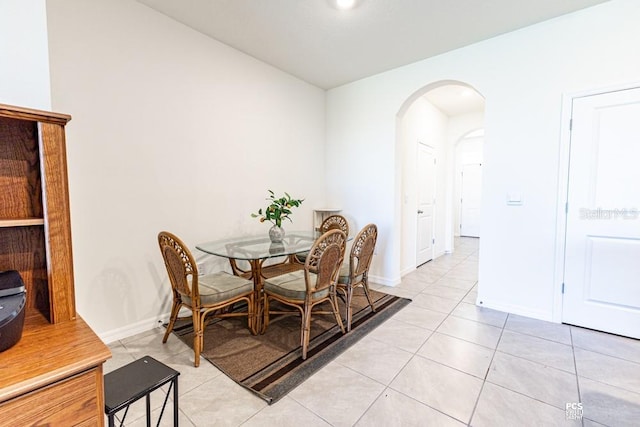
point(437, 116)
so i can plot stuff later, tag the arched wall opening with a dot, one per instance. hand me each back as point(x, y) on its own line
point(435, 118)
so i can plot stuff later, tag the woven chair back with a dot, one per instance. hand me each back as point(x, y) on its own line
point(335, 222)
point(181, 267)
point(324, 260)
point(362, 250)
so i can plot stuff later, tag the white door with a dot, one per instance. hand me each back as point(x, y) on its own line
point(602, 256)
point(470, 200)
point(426, 199)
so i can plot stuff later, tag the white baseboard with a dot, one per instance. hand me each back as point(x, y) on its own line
point(515, 309)
point(153, 322)
point(383, 280)
point(411, 269)
point(133, 329)
point(407, 271)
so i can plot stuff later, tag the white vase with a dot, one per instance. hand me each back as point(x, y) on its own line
point(276, 234)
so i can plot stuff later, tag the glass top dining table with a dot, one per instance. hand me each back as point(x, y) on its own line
point(256, 249)
point(259, 246)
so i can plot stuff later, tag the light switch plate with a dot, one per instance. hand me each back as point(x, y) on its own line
point(514, 199)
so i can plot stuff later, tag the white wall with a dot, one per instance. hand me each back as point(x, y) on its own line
point(522, 76)
point(426, 124)
point(171, 130)
point(24, 58)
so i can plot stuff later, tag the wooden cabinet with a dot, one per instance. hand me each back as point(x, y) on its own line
point(54, 374)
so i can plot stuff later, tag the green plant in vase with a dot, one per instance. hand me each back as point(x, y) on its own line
point(279, 208)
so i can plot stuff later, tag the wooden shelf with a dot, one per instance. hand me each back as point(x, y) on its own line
point(53, 375)
point(23, 222)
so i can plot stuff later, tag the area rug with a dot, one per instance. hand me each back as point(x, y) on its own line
point(270, 365)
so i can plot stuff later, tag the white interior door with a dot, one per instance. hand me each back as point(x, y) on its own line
point(426, 172)
point(602, 255)
point(470, 200)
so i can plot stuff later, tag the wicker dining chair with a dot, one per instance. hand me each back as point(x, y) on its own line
point(314, 285)
point(335, 222)
point(204, 295)
point(332, 222)
point(355, 272)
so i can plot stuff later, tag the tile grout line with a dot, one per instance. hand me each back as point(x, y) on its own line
point(492, 356)
point(484, 381)
point(449, 314)
point(518, 357)
point(434, 331)
point(385, 386)
point(575, 367)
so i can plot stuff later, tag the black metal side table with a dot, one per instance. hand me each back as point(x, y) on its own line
point(138, 379)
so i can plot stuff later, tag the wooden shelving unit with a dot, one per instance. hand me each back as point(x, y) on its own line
point(53, 375)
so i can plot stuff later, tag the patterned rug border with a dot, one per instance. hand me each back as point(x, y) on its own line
point(283, 375)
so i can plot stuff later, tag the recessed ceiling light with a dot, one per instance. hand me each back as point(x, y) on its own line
point(345, 4)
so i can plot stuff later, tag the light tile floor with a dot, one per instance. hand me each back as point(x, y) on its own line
point(441, 361)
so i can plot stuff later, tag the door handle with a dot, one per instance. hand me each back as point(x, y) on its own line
point(419, 211)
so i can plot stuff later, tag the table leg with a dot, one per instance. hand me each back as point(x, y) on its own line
point(256, 274)
point(256, 325)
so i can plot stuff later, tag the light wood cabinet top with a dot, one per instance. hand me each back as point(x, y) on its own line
point(47, 353)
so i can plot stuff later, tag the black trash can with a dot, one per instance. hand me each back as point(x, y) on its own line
point(13, 299)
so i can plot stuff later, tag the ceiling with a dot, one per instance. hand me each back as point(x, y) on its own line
point(328, 47)
point(454, 100)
